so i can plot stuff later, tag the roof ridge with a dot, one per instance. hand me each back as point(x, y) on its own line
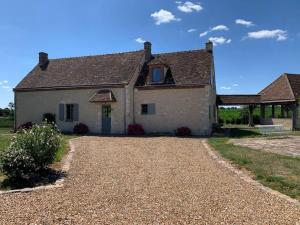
point(89, 56)
point(290, 86)
point(186, 51)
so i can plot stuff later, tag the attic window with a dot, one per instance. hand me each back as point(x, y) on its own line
point(156, 75)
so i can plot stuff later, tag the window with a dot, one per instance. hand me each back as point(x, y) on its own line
point(156, 75)
point(69, 112)
point(147, 109)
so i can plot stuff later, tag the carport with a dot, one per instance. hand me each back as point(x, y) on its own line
point(284, 91)
point(252, 101)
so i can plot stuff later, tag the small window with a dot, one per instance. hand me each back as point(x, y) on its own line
point(69, 112)
point(147, 109)
point(156, 75)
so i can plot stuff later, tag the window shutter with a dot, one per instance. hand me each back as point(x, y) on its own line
point(61, 112)
point(151, 108)
point(76, 112)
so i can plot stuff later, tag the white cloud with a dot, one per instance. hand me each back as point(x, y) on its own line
point(5, 81)
point(140, 40)
point(219, 27)
point(226, 88)
point(178, 2)
point(235, 85)
point(219, 40)
point(216, 28)
point(0, 83)
point(163, 16)
point(5, 87)
point(280, 35)
point(244, 22)
point(191, 30)
point(189, 7)
point(203, 34)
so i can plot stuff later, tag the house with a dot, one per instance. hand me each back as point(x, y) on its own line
point(108, 92)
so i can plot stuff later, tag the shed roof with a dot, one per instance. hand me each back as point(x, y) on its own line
point(238, 99)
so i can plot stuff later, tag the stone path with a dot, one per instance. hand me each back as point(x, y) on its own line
point(115, 180)
point(289, 146)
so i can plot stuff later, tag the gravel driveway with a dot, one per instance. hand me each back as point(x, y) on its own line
point(147, 181)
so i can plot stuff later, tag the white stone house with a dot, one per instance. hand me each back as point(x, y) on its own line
point(108, 92)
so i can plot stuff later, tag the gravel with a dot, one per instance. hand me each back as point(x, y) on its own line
point(164, 180)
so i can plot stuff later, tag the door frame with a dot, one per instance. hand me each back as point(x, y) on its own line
point(106, 118)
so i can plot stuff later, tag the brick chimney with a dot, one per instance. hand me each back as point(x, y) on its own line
point(43, 60)
point(147, 50)
point(209, 46)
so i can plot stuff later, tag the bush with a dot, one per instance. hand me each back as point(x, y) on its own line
point(183, 131)
point(81, 128)
point(30, 151)
point(16, 163)
point(26, 126)
point(49, 118)
point(135, 129)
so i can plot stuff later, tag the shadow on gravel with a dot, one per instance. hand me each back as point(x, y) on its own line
point(44, 177)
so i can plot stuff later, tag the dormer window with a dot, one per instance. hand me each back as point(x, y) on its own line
point(156, 75)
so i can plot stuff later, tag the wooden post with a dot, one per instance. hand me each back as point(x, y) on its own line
point(273, 111)
point(262, 114)
point(251, 124)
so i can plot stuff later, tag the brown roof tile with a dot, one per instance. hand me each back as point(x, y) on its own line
point(294, 80)
point(187, 67)
point(103, 96)
point(284, 88)
point(84, 71)
point(238, 99)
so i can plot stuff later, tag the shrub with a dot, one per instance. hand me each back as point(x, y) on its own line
point(135, 129)
point(30, 151)
point(26, 126)
point(16, 163)
point(81, 128)
point(49, 118)
point(183, 131)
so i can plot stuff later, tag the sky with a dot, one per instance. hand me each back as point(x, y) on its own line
point(255, 41)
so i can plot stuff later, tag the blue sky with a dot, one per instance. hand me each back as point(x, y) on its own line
point(256, 40)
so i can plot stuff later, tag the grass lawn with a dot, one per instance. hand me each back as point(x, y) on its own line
point(281, 173)
point(6, 122)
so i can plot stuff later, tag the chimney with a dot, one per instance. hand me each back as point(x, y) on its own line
point(209, 46)
point(147, 50)
point(43, 60)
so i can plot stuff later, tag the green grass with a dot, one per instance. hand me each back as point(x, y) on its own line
point(281, 173)
point(64, 148)
point(6, 122)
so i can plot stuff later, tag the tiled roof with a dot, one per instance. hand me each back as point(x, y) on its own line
point(294, 80)
point(285, 88)
point(238, 99)
point(103, 96)
point(187, 67)
point(84, 71)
